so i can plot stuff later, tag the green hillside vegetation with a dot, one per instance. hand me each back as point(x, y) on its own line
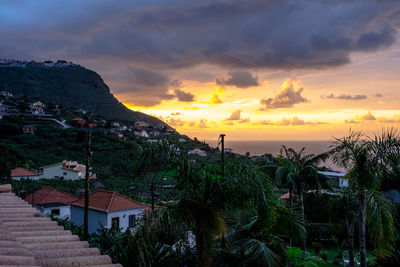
point(72, 86)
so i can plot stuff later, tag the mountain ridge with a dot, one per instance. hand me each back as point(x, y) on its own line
point(69, 84)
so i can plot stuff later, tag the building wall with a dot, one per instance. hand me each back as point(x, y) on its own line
point(17, 178)
point(65, 211)
point(55, 172)
point(95, 218)
point(123, 217)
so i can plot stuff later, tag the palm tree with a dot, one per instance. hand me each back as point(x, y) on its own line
point(298, 171)
point(346, 205)
point(364, 160)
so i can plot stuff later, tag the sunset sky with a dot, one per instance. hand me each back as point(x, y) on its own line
point(255, 70)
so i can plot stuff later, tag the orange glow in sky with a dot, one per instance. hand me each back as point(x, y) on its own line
point(293, 105)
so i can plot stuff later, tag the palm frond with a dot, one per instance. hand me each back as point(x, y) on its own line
point(381, 224)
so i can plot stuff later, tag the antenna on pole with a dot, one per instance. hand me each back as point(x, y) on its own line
point(221, 140)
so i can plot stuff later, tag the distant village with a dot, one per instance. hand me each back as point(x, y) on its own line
point(24, 63)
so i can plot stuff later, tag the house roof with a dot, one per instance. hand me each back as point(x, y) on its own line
point(106, 201)
point(31, 239)
point(78, 119)
point(22, 172)
point(48, 195)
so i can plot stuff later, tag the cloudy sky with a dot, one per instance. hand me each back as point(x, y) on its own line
point(254, 69)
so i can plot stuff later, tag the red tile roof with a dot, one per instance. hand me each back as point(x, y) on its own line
point(22, 172)
point(106, 201)
point(48, 195)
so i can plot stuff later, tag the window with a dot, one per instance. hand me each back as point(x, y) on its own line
point(64, 173)
point(115, 220)
point(55, 212)
point(132, 219)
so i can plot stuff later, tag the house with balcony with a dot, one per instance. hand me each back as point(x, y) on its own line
point(66, 170)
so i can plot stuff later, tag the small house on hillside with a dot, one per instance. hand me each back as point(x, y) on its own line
point(51, 201)
point(37, 111)
point(38, 104)
point(78, 122)
point(29, 129)
point(336, 178)
point(66, 170)
point(142, 133)
point(106, 208)
point(21, 173)
point(198, 152)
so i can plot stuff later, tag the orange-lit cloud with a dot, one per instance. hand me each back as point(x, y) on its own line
point(216, 96)
point(289, 95)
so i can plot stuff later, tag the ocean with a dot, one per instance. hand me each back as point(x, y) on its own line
point(257, 148)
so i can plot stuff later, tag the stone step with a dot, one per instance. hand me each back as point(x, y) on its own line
point(14, 251)
point(27, 214)
point(16, 204)
point(9, 244)
point(56, 245)
point(17, 260)
point(14, 229)
point(7, 236)
point(64, 253)
point(41, 233)
point(107, 265)
point(25, 219)
point(18, 210)
point(76, 261)
point(42, 223)
point(46, 239)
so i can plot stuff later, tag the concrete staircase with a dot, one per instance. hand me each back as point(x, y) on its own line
point(27, 238)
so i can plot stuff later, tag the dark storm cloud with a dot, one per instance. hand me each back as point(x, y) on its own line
point(345, 97)
point(240, 79)
point(165, 36)
point(184, 96)
point(250, 34)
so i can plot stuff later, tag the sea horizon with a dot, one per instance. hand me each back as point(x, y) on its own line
point(261, 147)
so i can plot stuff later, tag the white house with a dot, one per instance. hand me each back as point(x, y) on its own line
point(337, 179)
point(21, 173)
point(142, 133)
point(197, 151)
point(106, 208)
point(50, 201)
point(66, 170)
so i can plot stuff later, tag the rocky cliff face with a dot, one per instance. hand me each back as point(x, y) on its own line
point(68, 84)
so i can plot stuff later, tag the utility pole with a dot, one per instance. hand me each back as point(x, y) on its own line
point(86, 218)
point(221, 141)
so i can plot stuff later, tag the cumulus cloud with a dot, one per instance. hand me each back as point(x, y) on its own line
point(290, 95)
point(378, 95)
point(365, 117)
point(203, 123)
point(289, 122)
point(362, 118)
point(240, 79)
point(175, 113)
point(345, 97)
point(216, 96)
point(184, 96)
point(235, 116)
